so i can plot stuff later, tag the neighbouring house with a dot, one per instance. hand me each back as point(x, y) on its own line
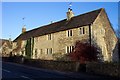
point(119, 48)
point(60, 37)
point(5, 47)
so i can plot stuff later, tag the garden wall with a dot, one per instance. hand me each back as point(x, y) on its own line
point(70, 66)
point(54, 65)
point(110, 69)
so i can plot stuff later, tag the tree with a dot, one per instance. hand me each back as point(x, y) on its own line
point(84, 52)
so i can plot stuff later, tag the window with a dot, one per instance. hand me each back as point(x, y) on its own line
point(49, 37)
point(49, 50)
point(46, 51)
point(86, 30)
point(69, 33)
point(36, 52)
point(82, 30)
point(41, 51)
point(69, 49)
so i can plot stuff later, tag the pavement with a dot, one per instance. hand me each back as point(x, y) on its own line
point(22, 72)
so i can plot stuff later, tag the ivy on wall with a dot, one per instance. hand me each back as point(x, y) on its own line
point(32, 45)
point(29, 47)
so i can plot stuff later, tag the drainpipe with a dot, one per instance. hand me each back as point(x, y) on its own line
point(90, 33)
point(90, 37)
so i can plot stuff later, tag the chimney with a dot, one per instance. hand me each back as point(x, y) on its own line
point(23, 29)
point(51, 22)
point(10, 40)
point(70, 14)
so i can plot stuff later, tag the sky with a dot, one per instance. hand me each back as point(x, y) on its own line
point(119, 16)
point(42, 13)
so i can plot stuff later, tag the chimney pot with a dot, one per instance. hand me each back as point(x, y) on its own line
point(23, 29)
point(70, 14)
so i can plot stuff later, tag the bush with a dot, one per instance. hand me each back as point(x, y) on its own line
point(84, 52)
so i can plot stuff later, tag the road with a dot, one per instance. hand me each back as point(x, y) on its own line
point(22, 72)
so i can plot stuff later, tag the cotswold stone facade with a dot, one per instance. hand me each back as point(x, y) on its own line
point(5, 47)
point(105, 36)
point(60, 37)
point(58, 43)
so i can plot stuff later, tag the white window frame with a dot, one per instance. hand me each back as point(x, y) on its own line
point(69, 49)
point(86, 30)
point(41, 51)
point(82, 30)
point(49, 50)
point(49, 37)
point(46, 51)
point(69, 33)
point(36, 53)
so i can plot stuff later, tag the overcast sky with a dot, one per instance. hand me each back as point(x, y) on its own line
point(42, 13)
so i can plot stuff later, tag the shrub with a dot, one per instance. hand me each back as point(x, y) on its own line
point(84, 52)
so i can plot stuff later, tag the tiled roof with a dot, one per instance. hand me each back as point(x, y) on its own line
point(77, 21)
point(2, 41)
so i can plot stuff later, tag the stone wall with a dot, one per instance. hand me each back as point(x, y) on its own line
point(53, 65)
point(106, 69)
point(109, 69)
point(58, 43)
point(19, 49)
point(6, 49)
point(104, 36)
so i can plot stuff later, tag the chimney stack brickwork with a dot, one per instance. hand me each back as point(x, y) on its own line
point(70, 14)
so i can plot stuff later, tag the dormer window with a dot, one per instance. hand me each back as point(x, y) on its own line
point(69, 33)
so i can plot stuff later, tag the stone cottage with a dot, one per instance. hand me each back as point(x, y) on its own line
point(5, 47)
point(60, 37)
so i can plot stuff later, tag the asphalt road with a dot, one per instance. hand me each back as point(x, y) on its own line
point(20, 72)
